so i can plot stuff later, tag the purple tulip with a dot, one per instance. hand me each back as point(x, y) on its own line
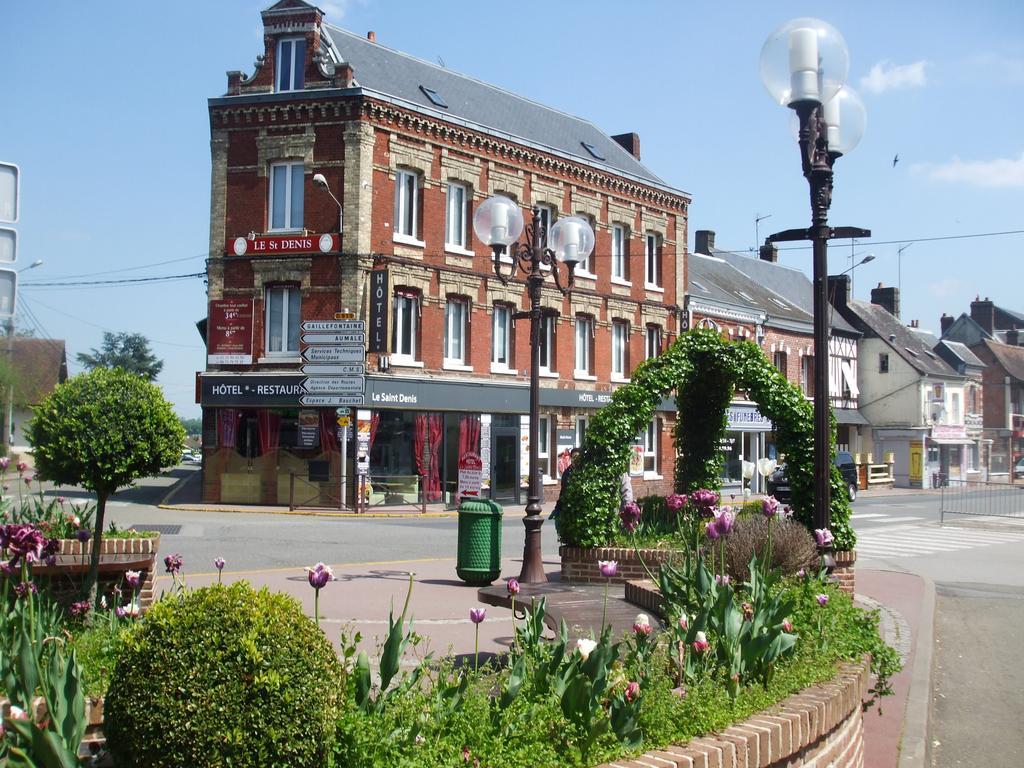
point(22, 466)
point(173, 563)
point(512, 585)
point(23, 588)
point(802, 573)
point(24, 542)
point(608, 568)
point(7, 569)
point(770, 507)
point(705, 500)
point(722, 580)
point(133, 579)
point(822, 600)
point(675, 501)
point(712, 530)
point(726, 520)
point(81, 608)
point(477, 615)
point(218, 563)
point(319, 575)
point(629, 516)
point(5, 462)
point(823, 536)
point(83, 535)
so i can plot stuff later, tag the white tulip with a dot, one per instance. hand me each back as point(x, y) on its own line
point(585, 646)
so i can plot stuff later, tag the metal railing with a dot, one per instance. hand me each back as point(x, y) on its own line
point(979, 499)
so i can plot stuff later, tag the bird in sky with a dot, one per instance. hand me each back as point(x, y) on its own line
point(895, 160)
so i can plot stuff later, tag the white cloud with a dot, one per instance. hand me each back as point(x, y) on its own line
point(886, 76)
point(334, 10)
point(1001, 172)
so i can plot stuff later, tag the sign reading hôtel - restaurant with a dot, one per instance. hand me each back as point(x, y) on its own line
point(278, 244)
point(229, 332)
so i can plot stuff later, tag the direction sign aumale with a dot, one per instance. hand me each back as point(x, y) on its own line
point(334, 338)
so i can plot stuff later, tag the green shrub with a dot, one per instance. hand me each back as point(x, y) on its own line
point(220, 676)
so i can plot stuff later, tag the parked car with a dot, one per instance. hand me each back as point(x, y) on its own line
point(188, 456)
point(1018, 469)
point(778, 483)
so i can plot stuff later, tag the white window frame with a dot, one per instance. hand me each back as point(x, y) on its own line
point(620, 350)
point(583, 267)
point(456, 332)
point(954, 403)
point(584, 337)
point(780, 356)
point(497, 366)
point(652, 261)
point(289, 294)
point(407, 195)
point(456, 217)
point(544, 446)
point(620, 254)
point(297, 81)
point(405, 302)
point(650, 439)
point(548, 216)
point(289, 191)
point(652, 341)
point(807, 375)
point(547, 345)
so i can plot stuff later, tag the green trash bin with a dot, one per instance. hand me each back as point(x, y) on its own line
point(479, 557)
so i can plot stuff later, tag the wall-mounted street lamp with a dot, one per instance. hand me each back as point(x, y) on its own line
point(804, 64)
point(498, 222)
point(321, 181)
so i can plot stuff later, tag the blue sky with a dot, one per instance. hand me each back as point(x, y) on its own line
point(106, 115)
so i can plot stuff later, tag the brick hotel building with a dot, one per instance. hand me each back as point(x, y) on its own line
point(407, 150)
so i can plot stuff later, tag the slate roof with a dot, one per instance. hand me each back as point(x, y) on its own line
point(724, 283)
point(909, 345)
point(1011, 358)
point(399, 75)
point(39, 366)
point(962, 352)
point(792, 285)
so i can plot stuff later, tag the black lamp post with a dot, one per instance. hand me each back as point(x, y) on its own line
point(804, 65)
point(498, 222)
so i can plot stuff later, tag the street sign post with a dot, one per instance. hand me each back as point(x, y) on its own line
point(335, 354)
point(8, 293)
point(9, 193)
point(326, 385)
point(8, 245)
point(334, 326)
point(334, 338)
point(340, 369)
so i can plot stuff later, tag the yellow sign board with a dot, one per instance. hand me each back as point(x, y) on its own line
point(916, 463)
point(344, 421)
point(344, 315)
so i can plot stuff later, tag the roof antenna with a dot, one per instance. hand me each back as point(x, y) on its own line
point(441, 62)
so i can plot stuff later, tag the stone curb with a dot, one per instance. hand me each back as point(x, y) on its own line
point(914, 746)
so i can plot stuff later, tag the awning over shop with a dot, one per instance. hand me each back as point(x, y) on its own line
point(950, 440)
point(849, 416)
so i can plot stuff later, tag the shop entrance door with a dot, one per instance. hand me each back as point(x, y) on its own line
point(505, 466)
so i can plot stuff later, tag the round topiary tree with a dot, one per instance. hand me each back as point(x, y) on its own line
point(103, 430)
point(224, 675)
point(704, 369)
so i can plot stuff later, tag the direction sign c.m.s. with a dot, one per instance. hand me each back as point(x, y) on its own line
point(334, 326)
point(334, 338)
point(331, 400)
point(339, 354)
point(327, 385)
point(334, 369)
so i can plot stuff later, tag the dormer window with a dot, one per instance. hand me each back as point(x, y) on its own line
point(291, 64)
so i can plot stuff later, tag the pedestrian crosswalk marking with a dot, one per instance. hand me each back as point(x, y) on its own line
point(867, 516)
point(904, 519)
point(912, 541)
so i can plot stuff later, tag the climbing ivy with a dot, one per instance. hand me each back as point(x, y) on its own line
point(704, 370)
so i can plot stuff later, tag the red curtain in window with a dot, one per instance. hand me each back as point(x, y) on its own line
point(434, 476)
point(328, 442)
point(227, 427)
point(270, 429)
point(374, 423)
point(469, 434)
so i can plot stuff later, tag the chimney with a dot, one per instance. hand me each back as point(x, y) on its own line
point(913, 324)
point(984, 314)
point(769, 252)
point(371, 36)
point(945, 323)
point(1013, 337)
point(887, 298)
point(839, 291)
point(704, 241)
point(344, 75)
point(631, 142)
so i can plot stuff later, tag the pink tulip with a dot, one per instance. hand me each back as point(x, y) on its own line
point(633, 691)
point(608, 568)
point(770, 507)
point(823, 536)
point(700, 643)
point(642, 629)
point(132, 578)
point(512, 585)
point(684, 623)
point(787, 625)
point(477, 615)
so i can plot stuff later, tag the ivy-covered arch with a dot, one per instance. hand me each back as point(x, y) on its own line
point(704, 370)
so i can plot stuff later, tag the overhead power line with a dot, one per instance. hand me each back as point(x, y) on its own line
point(122, 281)
point(901, 241)
point(127, 269)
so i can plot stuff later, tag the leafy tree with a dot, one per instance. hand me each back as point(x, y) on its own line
point(104, 430)
point(129, 351)
point(192, 426)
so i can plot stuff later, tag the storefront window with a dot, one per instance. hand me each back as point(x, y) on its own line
point(732, 468)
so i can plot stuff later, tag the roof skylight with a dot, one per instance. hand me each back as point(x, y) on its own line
point(434, 96)
point(592, 150)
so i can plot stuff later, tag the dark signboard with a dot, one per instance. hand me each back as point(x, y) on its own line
point(251, 390)
point(229, 332)
point(420, 395)
point(589, 398)
point(379, 295)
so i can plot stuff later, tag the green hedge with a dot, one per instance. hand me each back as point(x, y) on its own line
point(224, 676)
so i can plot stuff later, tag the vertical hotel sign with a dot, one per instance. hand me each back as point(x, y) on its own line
point(380, 292)
point(229, 332)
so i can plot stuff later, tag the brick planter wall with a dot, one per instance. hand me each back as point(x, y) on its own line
point(844, 570)
point(116, 557)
